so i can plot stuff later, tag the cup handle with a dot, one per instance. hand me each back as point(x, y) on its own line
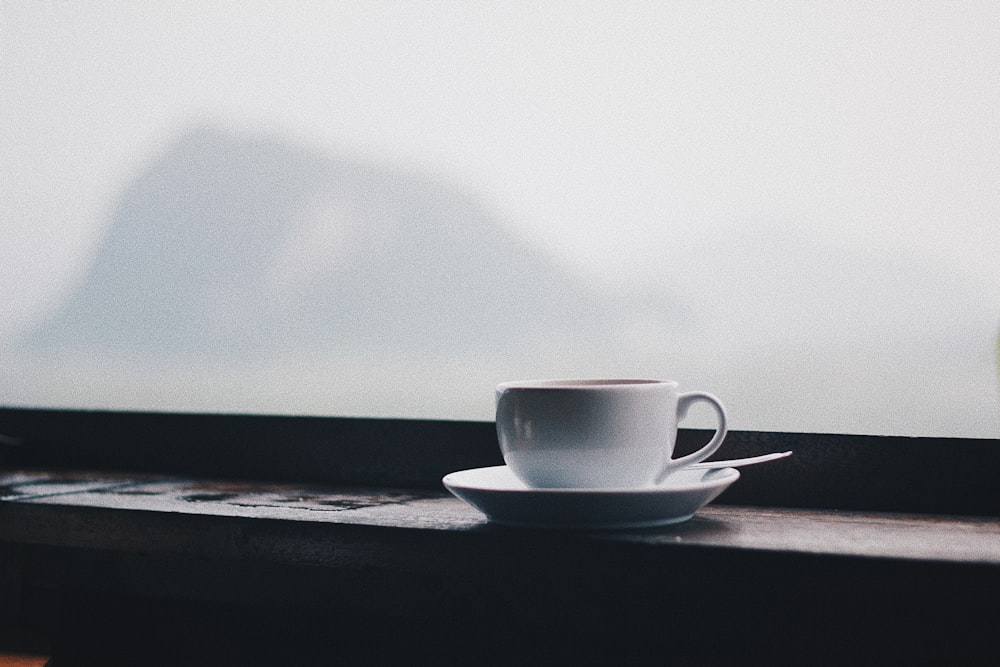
point(684, 402)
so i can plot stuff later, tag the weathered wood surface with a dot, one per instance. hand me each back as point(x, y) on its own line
point(855, 550)
point(148, 569)
point(101, 510)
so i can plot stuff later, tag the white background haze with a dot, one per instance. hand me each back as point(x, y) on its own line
point(814, 186)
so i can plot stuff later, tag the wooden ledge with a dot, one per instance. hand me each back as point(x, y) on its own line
point(66, 509)
point(110, 566)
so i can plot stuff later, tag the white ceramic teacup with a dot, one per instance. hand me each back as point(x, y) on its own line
point(596, 433)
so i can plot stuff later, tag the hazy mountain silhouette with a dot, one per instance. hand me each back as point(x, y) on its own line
point(237, 244)
point(244, 272)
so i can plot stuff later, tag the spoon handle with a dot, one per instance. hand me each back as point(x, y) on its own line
point(735, 463)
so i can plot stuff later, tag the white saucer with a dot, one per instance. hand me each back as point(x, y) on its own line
point(505, 499)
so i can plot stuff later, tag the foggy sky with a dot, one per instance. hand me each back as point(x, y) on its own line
point(808, 175)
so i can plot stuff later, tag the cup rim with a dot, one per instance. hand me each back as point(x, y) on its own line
point(586, 384)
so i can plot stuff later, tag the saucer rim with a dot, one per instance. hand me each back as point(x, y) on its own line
point(601, 526)
point(722, 476)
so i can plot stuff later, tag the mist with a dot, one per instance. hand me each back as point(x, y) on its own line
point(383, 210)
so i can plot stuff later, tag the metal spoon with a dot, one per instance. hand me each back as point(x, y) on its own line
point(736, 463)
